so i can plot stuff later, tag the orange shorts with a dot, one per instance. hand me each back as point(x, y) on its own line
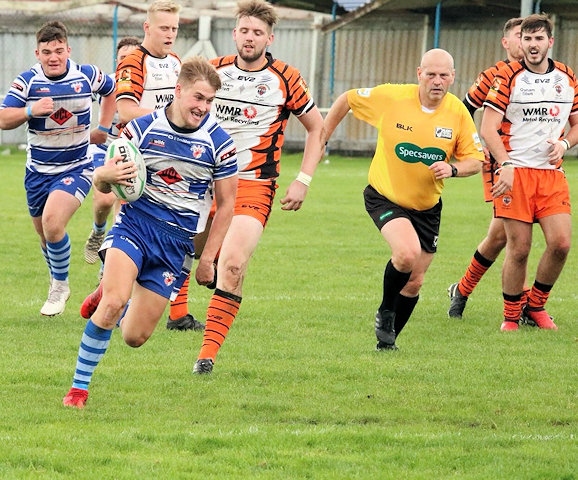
point(535, 194)
point(254, 198)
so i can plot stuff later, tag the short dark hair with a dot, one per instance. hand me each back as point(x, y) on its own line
point(513, 22)
point(52, 31)
point(536, 21)
point(125, 41)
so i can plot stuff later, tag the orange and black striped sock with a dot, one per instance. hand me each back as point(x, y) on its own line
point(525, 296)
point(538, 296)
point(223, 309)
point(180, 305)
point(474, 273)
point(512, 307)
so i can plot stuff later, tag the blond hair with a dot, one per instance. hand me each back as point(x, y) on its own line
point(167, 6)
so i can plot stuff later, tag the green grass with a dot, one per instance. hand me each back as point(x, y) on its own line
point(298, 391)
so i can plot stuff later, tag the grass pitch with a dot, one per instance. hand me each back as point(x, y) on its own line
point(298, 391)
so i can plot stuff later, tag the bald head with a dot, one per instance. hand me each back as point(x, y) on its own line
point(435, 74)
point(437, 56)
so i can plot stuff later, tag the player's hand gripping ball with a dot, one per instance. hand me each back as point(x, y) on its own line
point(127, 150)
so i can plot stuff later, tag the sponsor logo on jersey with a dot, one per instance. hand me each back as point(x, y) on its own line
point(67, 180)
point(477, 141)
point(229, 154)
point(250, 112)
point(163, 99)
point(228, 110)
point(364, 92)
point(157, 142)
point(61, 116)
point(243, 116)
point(198, 151)
point(410, 153)
point(76, 86)
point(170, 175)
point(496, 84)
point(542, 114)
point(443, 132)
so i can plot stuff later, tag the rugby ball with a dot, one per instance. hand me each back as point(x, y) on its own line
point(128, 152)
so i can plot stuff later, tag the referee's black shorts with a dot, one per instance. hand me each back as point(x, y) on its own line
point(425, 222)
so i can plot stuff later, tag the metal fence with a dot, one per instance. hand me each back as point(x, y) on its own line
point(372, 50)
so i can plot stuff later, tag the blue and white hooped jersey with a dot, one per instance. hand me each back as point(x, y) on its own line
point(58, 142)
point(181, 167)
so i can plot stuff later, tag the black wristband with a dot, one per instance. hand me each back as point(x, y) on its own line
point(454, 170)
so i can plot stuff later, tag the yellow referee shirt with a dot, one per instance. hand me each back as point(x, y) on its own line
point(411, 139)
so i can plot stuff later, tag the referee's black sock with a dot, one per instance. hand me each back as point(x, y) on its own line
point(403, 309)
point(393, 282)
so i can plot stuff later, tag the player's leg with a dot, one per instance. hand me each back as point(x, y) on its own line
point(253, 207)
point(426, 225)
point(519, 234)
point(200, 241)
point(102, 204)
point(405, 246)
point(557, 232)
point(141, 317)
point(484, 257)
point(59, 208)
point(179, 316)
point(238, 247)
point(409, 295)
point(118, 278)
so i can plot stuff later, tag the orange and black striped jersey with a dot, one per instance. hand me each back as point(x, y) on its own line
point(149, 81)
point(478, 92)
point(254, 106)
point(536, 107)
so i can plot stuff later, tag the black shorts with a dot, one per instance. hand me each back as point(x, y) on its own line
point(425, 222)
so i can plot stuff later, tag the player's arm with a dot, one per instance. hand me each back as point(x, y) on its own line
point(572, 135)
point(558, 147)
point(13, 117)
point(113, 171)
point(464, 168)
point(129, 110)
point(336, 113)
point(491, 123)
point(471, 108)
point(105, 116)
point(312, 153)
point(225, 191)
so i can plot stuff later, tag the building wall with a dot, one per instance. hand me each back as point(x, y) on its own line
point(372, 50)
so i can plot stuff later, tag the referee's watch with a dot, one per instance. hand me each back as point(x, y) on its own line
point(454, 170)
